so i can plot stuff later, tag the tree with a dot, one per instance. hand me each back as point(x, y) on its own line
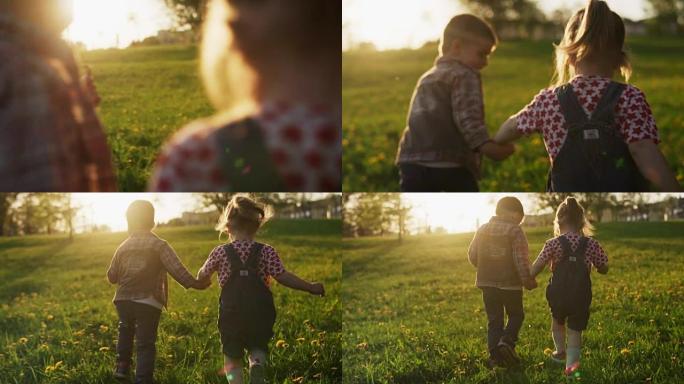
point(6, 201)
point(188, 12)
point(669, 15)
point(516, 15)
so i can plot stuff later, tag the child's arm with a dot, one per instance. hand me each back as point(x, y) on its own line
point(291, 280)
point(508, 131)
point(178, 271)
point(112, 274)
point(472, 251)
point(653, 165)
point(537, 267)
point(602, 269)
point(522, 262)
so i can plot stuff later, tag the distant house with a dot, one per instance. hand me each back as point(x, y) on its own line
point(200, 218)
point(327, 208)
point(167, 37)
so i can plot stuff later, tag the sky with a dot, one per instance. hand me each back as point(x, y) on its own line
point(107, 23)
point(110, 208)
point(392, 24)
point(458, 212)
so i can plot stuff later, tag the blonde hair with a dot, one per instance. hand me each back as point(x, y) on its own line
point(571, 213)
point(238, 51)
point(466, 27)
point(594, 33)
point(243, 214)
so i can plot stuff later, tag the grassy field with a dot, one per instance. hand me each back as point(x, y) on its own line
point(148, 93)
point(377, 88)
point(58, 325)
point(413, 315)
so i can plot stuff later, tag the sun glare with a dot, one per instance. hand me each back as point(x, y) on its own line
point(461, 212)
point(107, 23)
point(393, 24)
point(110, 208)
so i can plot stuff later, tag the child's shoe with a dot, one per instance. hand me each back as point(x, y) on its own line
point(122, 371)
point(558, 357)
point(572, 372)
point(257, 374)
point(506, 349)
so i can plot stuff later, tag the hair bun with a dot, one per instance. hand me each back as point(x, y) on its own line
point(571, 201)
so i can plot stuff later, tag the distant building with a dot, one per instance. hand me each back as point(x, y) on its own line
point(200, 218)
point(327, 208)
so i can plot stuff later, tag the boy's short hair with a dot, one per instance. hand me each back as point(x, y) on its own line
point(509, 204)
point(466, 26)
point(140, 216)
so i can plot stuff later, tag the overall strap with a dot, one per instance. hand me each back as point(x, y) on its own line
point(578, 253)
point(570, 106)
point(605, 110)
point(234, 259)
point(245, 160)
point(254, 257)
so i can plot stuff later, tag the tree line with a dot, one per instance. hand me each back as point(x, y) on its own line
point(36, 213)
point(381, 214)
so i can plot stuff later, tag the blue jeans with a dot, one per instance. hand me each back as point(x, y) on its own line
point(139, 321)
point(497, 301)
point(418, 178)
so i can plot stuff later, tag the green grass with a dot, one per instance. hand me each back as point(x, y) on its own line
point(148, 93)
point(377, 88)
point(413, 315)
point(56, 307)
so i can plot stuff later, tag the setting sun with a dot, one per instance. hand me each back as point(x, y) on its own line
point(107, 24)
point(110, 208)
point(460, 212)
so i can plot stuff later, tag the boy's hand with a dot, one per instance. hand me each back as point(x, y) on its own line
point(317, 289)
point(530, 284)
point(496, 151)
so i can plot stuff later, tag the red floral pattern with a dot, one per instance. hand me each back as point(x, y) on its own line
point(553, 251)
point(304, 143)
point(543, 114)
point(269, 265)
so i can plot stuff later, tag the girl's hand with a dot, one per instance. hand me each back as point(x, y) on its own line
point(202, 284)
point(317, 289)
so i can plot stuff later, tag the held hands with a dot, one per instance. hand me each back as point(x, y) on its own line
point(317, 289)
point(497, 151)
point(202, 284)
point(530, 284)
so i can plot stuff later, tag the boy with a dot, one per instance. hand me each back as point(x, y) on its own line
point(139, 268)
point(50, 137)
point(441, 147)
point(499, 251)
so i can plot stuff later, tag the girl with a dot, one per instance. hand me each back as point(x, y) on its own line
point(272, 68)
point(139, 267)
point(600, 135)
point(571, 255)
point(245, 267)
point(50, 136)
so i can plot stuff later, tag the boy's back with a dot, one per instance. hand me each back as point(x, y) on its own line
point(446, 118)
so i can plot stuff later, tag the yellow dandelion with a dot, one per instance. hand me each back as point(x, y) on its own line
point(63, 343)
point(301, 339)
point(104, 328)
point(631, 342)
point(59, 364)
point(104, 349)
point(624, 351)
point(363, 345)
point(43, 347)
point(548, 351)
point(280, 344)
point(23, 340)
point(49, 369)
point(50, 317)
point(315, 343)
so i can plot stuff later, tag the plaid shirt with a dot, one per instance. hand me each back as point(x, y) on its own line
point(52, 139)
point(135, 262)
point(446, 118)
point(500, 226)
